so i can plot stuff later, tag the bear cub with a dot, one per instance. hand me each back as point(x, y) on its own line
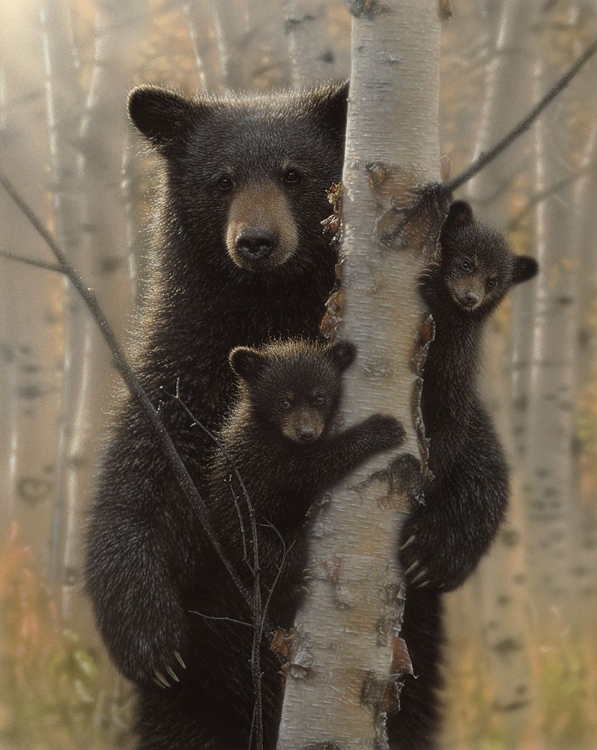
point(466, 498)
point(275, 454)
point(277, 440)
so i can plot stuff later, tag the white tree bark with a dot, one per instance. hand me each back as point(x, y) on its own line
point(500, 584)
point(312, 54)
point(341, 659)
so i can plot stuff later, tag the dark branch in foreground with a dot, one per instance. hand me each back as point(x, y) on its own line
point(182, 476)
point(524, 124)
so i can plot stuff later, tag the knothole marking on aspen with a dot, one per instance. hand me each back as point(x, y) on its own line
point(446, 9)
point(322, 528)
point(378, 367)
point(294, 22)
point(394, 593)
point(324, 746)
point(373, 690)
point(344, 596)
point(33, 490)
point(366, 9)
point(332, 568)
point(388, 57)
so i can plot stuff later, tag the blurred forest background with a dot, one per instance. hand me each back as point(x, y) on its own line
point(521, 662)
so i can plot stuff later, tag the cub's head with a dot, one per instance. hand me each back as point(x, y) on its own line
point(292, 387)
point(477, 266)
point(247, 175)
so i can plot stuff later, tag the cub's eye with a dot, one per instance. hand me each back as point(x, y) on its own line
point(491, 283)
point(225, 183)
point(466, 266)
point(319, 400)
point(292, 176)
point(285, 404)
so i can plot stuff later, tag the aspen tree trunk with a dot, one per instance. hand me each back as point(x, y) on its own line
point(552, 503)
point(584, 233)
point(31, 301)
point(312, 56)
point(341, 659)
point(206, 40)
point(251, 44)
point(101, 257)
point(500, 584)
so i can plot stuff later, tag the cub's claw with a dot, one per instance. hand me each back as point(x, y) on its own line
point(409, 541)
point(178, 658)
point(172, 674)
point(161, 680)
point(411, 568)
point(423, 573)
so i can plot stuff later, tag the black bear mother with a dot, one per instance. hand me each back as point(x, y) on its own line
point(239, 258)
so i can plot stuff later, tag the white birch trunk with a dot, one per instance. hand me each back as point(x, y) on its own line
point(552, 503)
point(312, 55)
point(500, 583)
point(101, 257)
point(341, 659)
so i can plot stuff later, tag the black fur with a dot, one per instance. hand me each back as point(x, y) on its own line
point(201, 305)
point(231, 268)
point(277, 439)
point(444, 539)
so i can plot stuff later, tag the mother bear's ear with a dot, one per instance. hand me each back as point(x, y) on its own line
point(162, 115)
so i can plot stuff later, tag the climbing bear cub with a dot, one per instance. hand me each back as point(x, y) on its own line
point(443, 540)
point(279, 451)
point(274, 456)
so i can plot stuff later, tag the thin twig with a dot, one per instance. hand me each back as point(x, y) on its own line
point(543, 195)
point(221, 618)
point(31, 261)
point(524, 124)
point(241, 523)
point(285, 553)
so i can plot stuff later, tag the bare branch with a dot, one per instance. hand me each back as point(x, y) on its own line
point(182, 476)
point(524, 124)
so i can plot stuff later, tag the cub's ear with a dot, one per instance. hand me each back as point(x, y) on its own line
point(524, 268)
point(460, 213)
point(160, 115)
point(342, 354)
point(330, 102)
point(246, 363)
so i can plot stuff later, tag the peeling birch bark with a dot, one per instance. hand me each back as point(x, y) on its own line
point(341, 661)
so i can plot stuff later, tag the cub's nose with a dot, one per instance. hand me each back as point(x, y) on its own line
point(306, 434)
point(256, 243)
point(471, 299)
